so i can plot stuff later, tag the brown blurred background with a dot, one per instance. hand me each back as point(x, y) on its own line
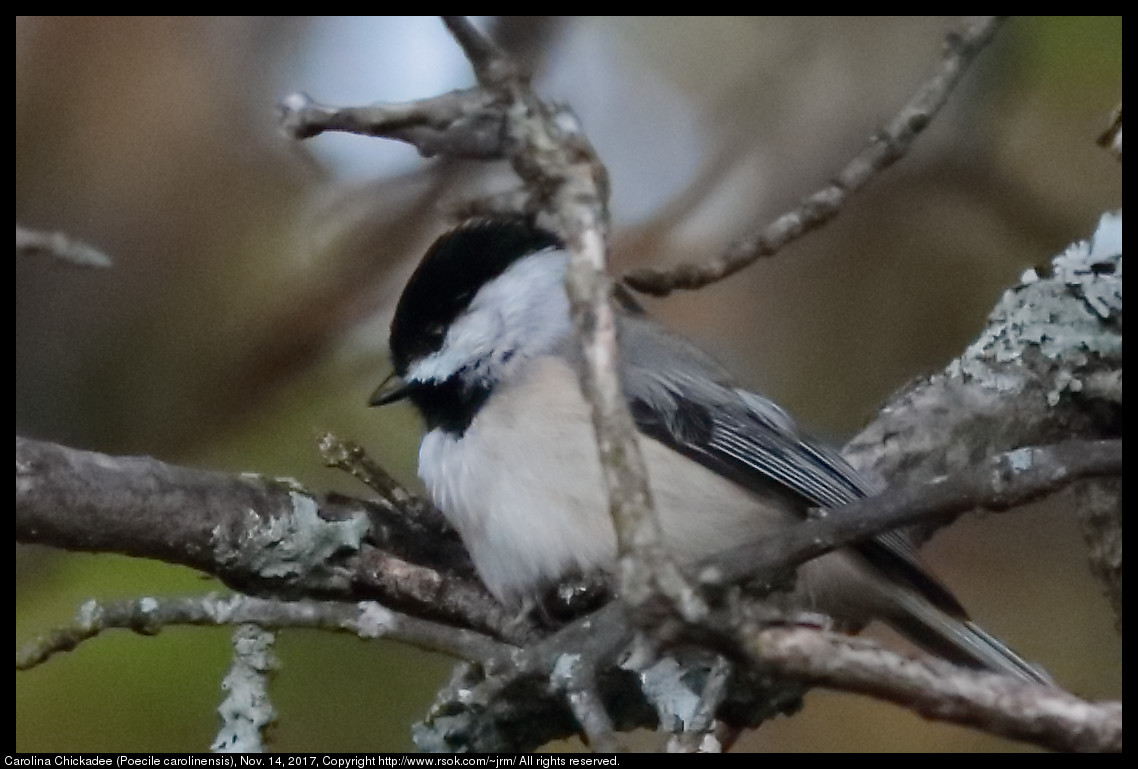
point(254, 279)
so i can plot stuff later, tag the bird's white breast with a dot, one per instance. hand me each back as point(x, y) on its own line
point(523, 487)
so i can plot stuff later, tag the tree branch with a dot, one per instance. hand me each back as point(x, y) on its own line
point(1046, 367)
point(366, 619)
point(576, 678)
point(255, 534)
point(1032, 713)
point(247, 711)
point(885, 148)
point(63, 247)
point(1003, 482)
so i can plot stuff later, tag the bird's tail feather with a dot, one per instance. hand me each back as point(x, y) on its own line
point(963, 641)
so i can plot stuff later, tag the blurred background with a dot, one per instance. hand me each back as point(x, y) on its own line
point(254, 279)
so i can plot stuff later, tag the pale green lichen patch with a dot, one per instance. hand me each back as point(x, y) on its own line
point(290, 545)
point(1070, 320)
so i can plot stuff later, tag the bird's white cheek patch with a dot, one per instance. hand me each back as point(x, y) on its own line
point(520, 315)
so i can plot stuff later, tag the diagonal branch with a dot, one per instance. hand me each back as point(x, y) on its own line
point(997, 484)
point(491, 65)
point(885, 148)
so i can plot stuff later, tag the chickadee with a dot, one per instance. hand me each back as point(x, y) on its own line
point(483, 345)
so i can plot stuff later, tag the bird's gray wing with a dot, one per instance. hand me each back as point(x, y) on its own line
point(683, 399)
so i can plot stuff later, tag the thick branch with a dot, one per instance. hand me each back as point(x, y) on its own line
point(255, 534)
point(1047, 367)
point(1000, 705)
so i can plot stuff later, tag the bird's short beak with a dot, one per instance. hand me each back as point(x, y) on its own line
point(390, 390)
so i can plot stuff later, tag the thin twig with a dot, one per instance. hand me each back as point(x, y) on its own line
point(885, 148)
point(699, 734)
point(366, 619)
point(461, 124)
point(577, 678)
point(63, 247)
point(491, 65)
point(1111, 138)
point(352, 459)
